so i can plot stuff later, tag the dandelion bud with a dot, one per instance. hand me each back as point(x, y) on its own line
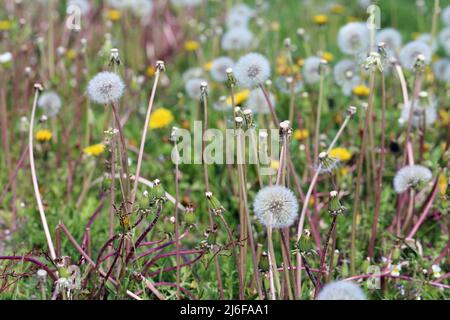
point(38, 87)
point(248, 116)
point(238, 111)
point(287, 43)
point(285, 128)
point(351, 111)
point(41, 275)
point(301, 32)
point(160, 65)
point(328, 164)
point(238, 122)
point(114, 57)
point(335, 207)
point(305, 244)
point(231, 79)
point(264, 266)
point(214, 204)
point(204, 87)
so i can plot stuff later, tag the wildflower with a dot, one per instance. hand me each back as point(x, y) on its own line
point(411, 51)
point(410, 176)
point(192, 73)
point(395, 270)
point(252, 70)
point(50, 103)
point(219, 67)
point(43, 135)
point(346, 75)
point(105, 87)
point(436, 271)
point(426, 38)
point(391, 38)
point(445, 16)
point(192, 88)
point(151, 70)
point(337, 8)
point(276, 207)
point(239, 97)
point(5, 25)
point(424, 112)
point(335, 207)
point(441, 70)
point(327, 56)
point(340, 153)
point(361, 91)
point(275, 164)
point(94, 150)
point(239, 16)
point(341, 290)
point(353, 38)
point(237, 39)
point(214, 205)
point(113, 15)
point(311, 70)
point(288, 85)
point(444, 39)
point(160, 118)
point(71, 54)
point(443, 184)
point(320, 19)
point(191, 45)
point(257, 102)
point(301, 134)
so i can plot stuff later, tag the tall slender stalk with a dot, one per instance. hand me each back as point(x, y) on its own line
point(38, 88)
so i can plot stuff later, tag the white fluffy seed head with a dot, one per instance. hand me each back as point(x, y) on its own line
point(193, 88)
point(311, 70)
point(257, 102)
point(410, 52)
point(444, 39)
point(391, 38)
point(219, 68)
point(346, 75)
point(341, 290)
point(239, 38)
point(353, 38)
point(411, 176)
point(445, 16)
point(424, 112)
point(276, 207)
point(50, 103)
point(239, 16)
point(106, 87)
point(441, 70)
point(252, 70)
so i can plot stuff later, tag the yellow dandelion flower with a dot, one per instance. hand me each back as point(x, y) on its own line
point(341, 154)
point(344, 171)
point(275, 164)
point(191, 45)
point(94, 150)
point(361, 91)
point(301, 134)
point(150, 71)
point(43, 135)
point(160, 118)
point(443, 184)
point(444, 117)
point(71, 54)
point(300, 62)
point(5, 25)
point(275, 26)
point(320, 19)
point(207, 66)
point(328, 56)
point(113, 15)
point(239, 97)
point(337, 8)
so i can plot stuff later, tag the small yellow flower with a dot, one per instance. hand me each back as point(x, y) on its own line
point(444, 117)
point(320, 19)
point(43, 135)
point(443, 184)
point(361, 91)
point(94, 150)
point(239, 97)
point(275, 26)
point(160, 118)
point(341, 154)
point(191, 45)
point(337, 8)
point(300, 62)
point(207, 66)
point(150, 71)
point(5, 25)
point(113, 15)
point(301, 134)
point(71, 54)
point(344, 171)
point(328, 56)
point(275, 164)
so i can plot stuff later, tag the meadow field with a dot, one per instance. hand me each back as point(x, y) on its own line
point(224, 150)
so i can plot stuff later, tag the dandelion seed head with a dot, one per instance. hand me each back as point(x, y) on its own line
point(444, 39)
point(424, 112)
point(288, 85)
point(391, 38)
point(341, 290)
point(276, 207)
point(441, 70)
point(426, 38)
point(410, 52)
point(239, 38)
point(193, 88)
point(192, 73)
point(353, 38)
point(311, 70)
point(346, 75)
point(106, 87)
point(411, 176)
point(219, 68)
point(257, 102)
point(239, 16)
point(50, 103)
point(252, 70)
point(445, 16)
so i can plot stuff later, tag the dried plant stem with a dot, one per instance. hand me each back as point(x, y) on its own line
point(379, 181)
point(177, 233)
point(360, 162)
point(113, 189)
point(4, 125)
point(410, 211)
point(273, 259)
point(35, 181)
point(144, 135)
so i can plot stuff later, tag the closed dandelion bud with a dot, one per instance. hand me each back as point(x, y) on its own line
point(157, 194)
point(344, 269)
point(420, 63)
point(248, 116)
point(114, 59)
point(328, 164)
point(214, 204)
point(160, 65)
point(41, 275)
point(264, 263)
point(366, 264)
point(230, 77)
point(335, 207)
point(351, 111)
point(238, 122)
point(189, 217)
point(144, 199)
point(305, 244)
point(238, 111)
